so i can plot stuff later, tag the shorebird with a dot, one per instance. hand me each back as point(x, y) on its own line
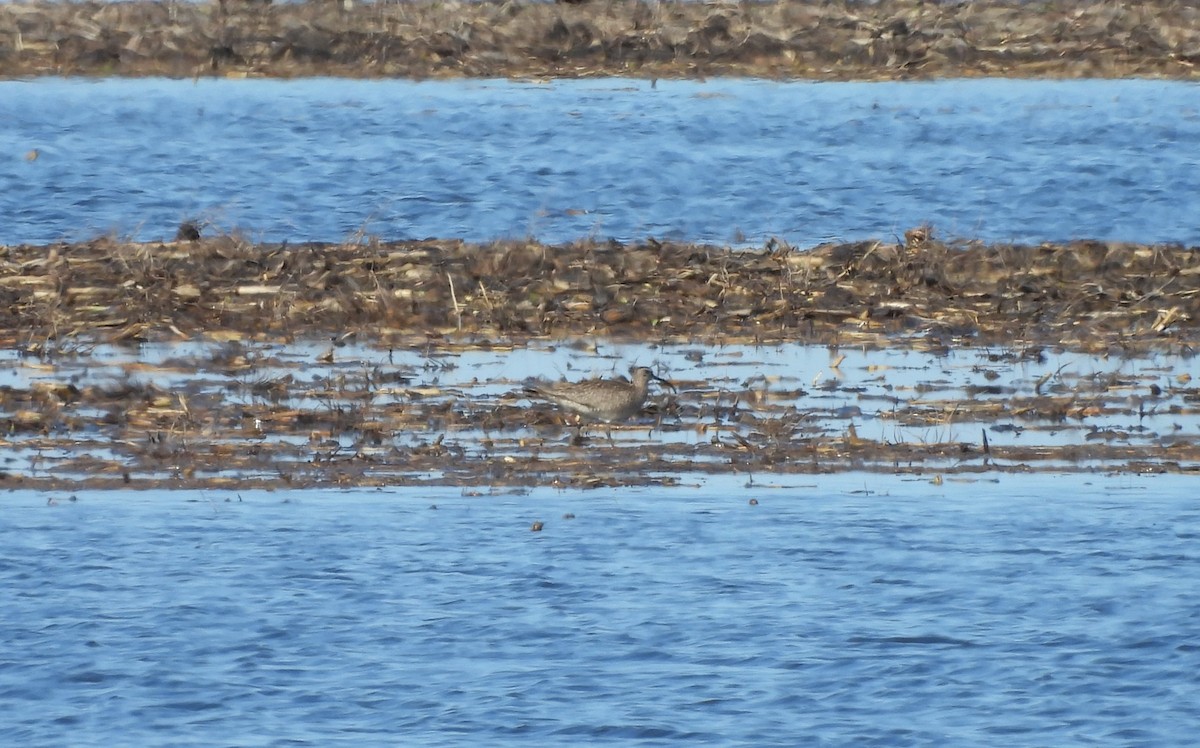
point(606, 400)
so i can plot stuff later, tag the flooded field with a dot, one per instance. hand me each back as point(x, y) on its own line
point(237, 415)
point(271, 471)
point(213, 362)
point(922, 353)
point(308, 350)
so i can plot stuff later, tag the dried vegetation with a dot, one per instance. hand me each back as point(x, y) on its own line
point(1087, 295)
point(827, 40)
point(268, 403)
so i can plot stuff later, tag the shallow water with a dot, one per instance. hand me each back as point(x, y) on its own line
point(900, 395)
point(721, 160)
point(842, 610)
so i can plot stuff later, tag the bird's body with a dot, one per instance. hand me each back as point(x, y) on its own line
point(606, 400)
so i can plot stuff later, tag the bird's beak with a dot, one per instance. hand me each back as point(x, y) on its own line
point(668, 383)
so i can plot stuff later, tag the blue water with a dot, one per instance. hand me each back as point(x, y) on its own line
point(843, 610)
point(722, 160)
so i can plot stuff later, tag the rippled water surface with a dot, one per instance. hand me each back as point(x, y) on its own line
point(839, 610)
point(722, 160)
point(845, 610)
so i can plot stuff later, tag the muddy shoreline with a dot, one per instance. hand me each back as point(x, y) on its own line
point(891, 39)
point(275, 362)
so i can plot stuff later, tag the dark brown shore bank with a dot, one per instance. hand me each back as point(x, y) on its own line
point(287, 377)
point(890, 39)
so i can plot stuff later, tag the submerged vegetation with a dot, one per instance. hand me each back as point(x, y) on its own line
point(430, 38)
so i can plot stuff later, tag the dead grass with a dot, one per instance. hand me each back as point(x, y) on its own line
point(782, 39)
point(1085, 295)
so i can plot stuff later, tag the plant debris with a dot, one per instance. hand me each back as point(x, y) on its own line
point(215, 362)
point(890, 39)
point(1085, 295)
